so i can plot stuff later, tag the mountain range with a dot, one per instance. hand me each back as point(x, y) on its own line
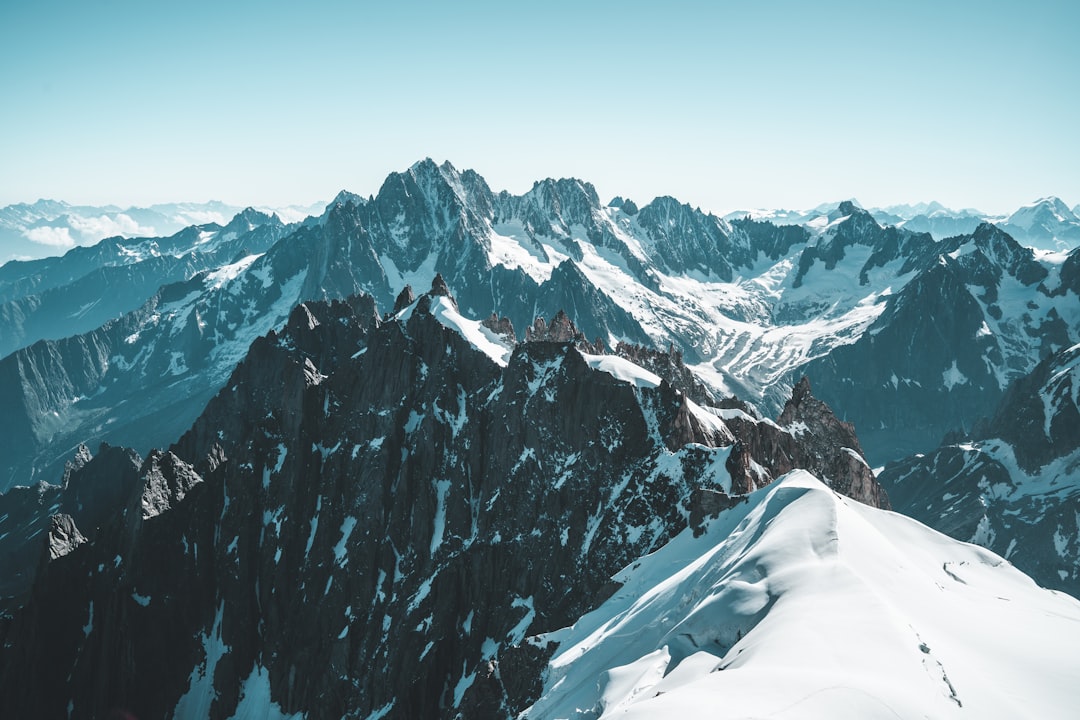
point(416, 510)
point(44, 228)
point(752, 306)
point(326, 495)
point(1046, 224)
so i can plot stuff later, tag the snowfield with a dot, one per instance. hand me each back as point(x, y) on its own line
point(800, 603)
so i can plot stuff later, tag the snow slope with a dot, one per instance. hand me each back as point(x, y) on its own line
point(802, 604)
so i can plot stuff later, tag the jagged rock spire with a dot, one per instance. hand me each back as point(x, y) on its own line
point(438, 286)
point(501, 326)
point(404, 299)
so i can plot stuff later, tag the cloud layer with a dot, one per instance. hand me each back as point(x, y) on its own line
point(72, 230)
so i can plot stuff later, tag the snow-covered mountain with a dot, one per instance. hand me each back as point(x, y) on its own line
point(46, 228)
point(58, 297)
point(1013, 485)
point(410, 516)
point(751, 305)
point(933, 218)
point(1046, 224)
point(801, 603)
point(787, 217)
point(394, 505)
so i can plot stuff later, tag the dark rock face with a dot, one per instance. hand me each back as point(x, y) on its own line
point(834, 451)
point(93, 490)
point(561, 329)
point(404, 299)
point(140, 379)
point(1039, 416)
point(1012, 484)
point(948, 342)
point(893, 383)
point(689, 240)
point(176, 350)
point(375, 517)
point(809, 436)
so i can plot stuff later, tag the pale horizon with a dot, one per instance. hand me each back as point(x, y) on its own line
point(724, 106)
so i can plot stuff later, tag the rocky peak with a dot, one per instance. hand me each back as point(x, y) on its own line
point(847, 207)
point(63, 536)
point(344, 198)
point(500, 326)
point(832, 441)
point(561, 203)
point(806, 409)
point(439, 287)
point(166, 481)
point(249, 218)
point(561, 329)
point(685, 239)
point(799, 393)
point(404, 299)
point(1005, 253)
point(78, 461)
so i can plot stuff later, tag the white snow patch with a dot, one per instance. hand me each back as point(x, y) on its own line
point(1061, 542)
point(442, 487)
point(255, 702)
point(340, 555)
point(984, 534)
point(201, 692)
point(89, 626)
point(517, 633)
point(413, 422)
point(382, 712)
point(314, 526)
point(511, 247)
point(226, 273)
point(953, 377)
point(622, 369)
point(463, 684)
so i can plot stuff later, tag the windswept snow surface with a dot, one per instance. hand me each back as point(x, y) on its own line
point(803, 604)
point(623, 369)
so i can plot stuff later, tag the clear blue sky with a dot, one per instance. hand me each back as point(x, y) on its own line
point(721, 104)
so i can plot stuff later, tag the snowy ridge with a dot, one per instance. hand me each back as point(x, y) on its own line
point(622, 369)
point(481, 338)
point(800, 603)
